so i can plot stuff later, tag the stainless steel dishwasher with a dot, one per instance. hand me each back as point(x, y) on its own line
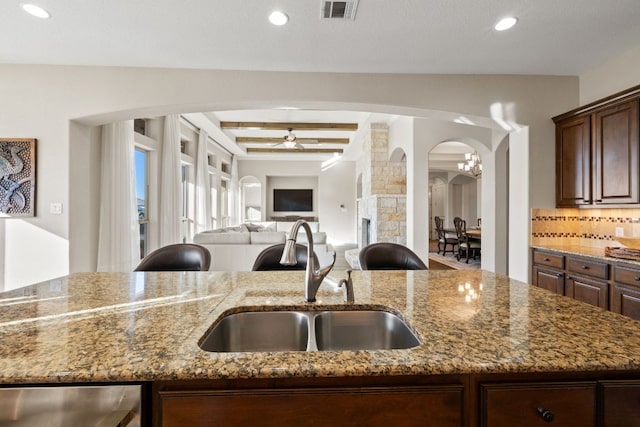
point(70, 406)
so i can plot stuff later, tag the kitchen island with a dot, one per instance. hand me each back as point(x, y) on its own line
point(490, 348)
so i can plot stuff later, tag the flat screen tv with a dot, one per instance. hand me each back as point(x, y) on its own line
point(286, 200)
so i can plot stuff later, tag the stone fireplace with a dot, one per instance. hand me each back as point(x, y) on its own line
point(382, 206)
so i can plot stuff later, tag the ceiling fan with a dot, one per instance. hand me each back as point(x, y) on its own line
point(290, 141)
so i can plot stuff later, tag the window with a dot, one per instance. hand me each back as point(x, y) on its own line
point(250, 199)
point(142, 199)
point(224, 203)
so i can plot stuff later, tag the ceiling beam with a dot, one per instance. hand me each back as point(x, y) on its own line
point(287, 126)
point(258, 140)
point(296, 150)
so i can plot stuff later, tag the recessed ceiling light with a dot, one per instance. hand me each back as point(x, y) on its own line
point(36, 11)
point(278, 18)
point(506, 23)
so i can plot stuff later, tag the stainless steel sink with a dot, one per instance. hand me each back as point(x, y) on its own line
point(259, 331)
point(362, 330)
point(309, 331)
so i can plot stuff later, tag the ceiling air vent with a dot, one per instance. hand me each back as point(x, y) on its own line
point(339, 9)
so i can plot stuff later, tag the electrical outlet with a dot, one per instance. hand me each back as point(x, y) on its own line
point(619, 232)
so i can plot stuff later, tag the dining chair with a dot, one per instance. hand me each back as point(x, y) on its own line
point(177, 257)
point(445, 238)
point(389, 256)
point(467, 245)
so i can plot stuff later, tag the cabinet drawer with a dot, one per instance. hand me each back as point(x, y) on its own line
point(531, 404)
point(402, 406)
point(550, 260)
point(628, 276)
point(586, 267)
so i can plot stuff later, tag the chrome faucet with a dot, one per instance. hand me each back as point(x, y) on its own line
point(314, 275)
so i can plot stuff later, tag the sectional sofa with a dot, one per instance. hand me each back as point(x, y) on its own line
point(236, 248)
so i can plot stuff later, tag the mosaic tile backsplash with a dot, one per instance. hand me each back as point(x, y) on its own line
point(583, 227)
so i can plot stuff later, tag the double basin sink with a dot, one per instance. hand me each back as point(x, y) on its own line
point(302, 330)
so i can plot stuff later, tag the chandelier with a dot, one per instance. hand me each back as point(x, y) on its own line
point(471, 164)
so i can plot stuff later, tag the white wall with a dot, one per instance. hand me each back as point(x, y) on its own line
point(333, 187)
point(620, 73)
point(40, 102)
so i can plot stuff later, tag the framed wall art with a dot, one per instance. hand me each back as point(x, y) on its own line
point(17, 177)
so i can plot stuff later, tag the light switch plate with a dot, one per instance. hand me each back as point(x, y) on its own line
point(55, 208)
point(619, 232)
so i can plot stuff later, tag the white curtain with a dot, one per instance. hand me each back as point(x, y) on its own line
point(170, 180)
point(119, 234)
point(235, 192)
point(203, 188)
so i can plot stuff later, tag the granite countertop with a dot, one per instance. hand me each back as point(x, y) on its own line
point(102, 327)
point(585, 251)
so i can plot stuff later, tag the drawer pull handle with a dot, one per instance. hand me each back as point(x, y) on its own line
point(637, 279)
point(585, 267)
point(546, 414)
point(547, 259)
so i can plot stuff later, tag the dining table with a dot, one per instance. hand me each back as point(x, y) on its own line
point(475, 232)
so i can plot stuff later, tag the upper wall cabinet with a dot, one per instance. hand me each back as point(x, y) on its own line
point(573, 161)
point(598, 153)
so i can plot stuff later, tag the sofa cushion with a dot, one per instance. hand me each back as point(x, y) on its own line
point(223, 238)
point(319, 238)
point(267, 237)
point(286, 226)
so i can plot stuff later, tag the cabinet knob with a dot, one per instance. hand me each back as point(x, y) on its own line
point(546, 414)
point(637, 279)
point(559, 275)
point(585, 267)
point(547, 259)
point(569, 277)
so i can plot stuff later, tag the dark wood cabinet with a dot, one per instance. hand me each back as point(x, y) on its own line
point(548, 271)
point(531, 404)
point(616, 154)
point(611, 285)
point(546, 278)
point(604, 399)
point(598, 154)
point(385, 406)
point(591, 291)
point(626, 300)
point(620, 403)
point(573, 161)
point(583, 279)
point(625, 291)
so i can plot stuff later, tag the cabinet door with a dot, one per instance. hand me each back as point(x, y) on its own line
point(616, 154)
point(393, 406)
point(536, 404)
point(573, 161)
point(592, 292)
point(626, 300)
point(620, 403)
point(551, 280)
